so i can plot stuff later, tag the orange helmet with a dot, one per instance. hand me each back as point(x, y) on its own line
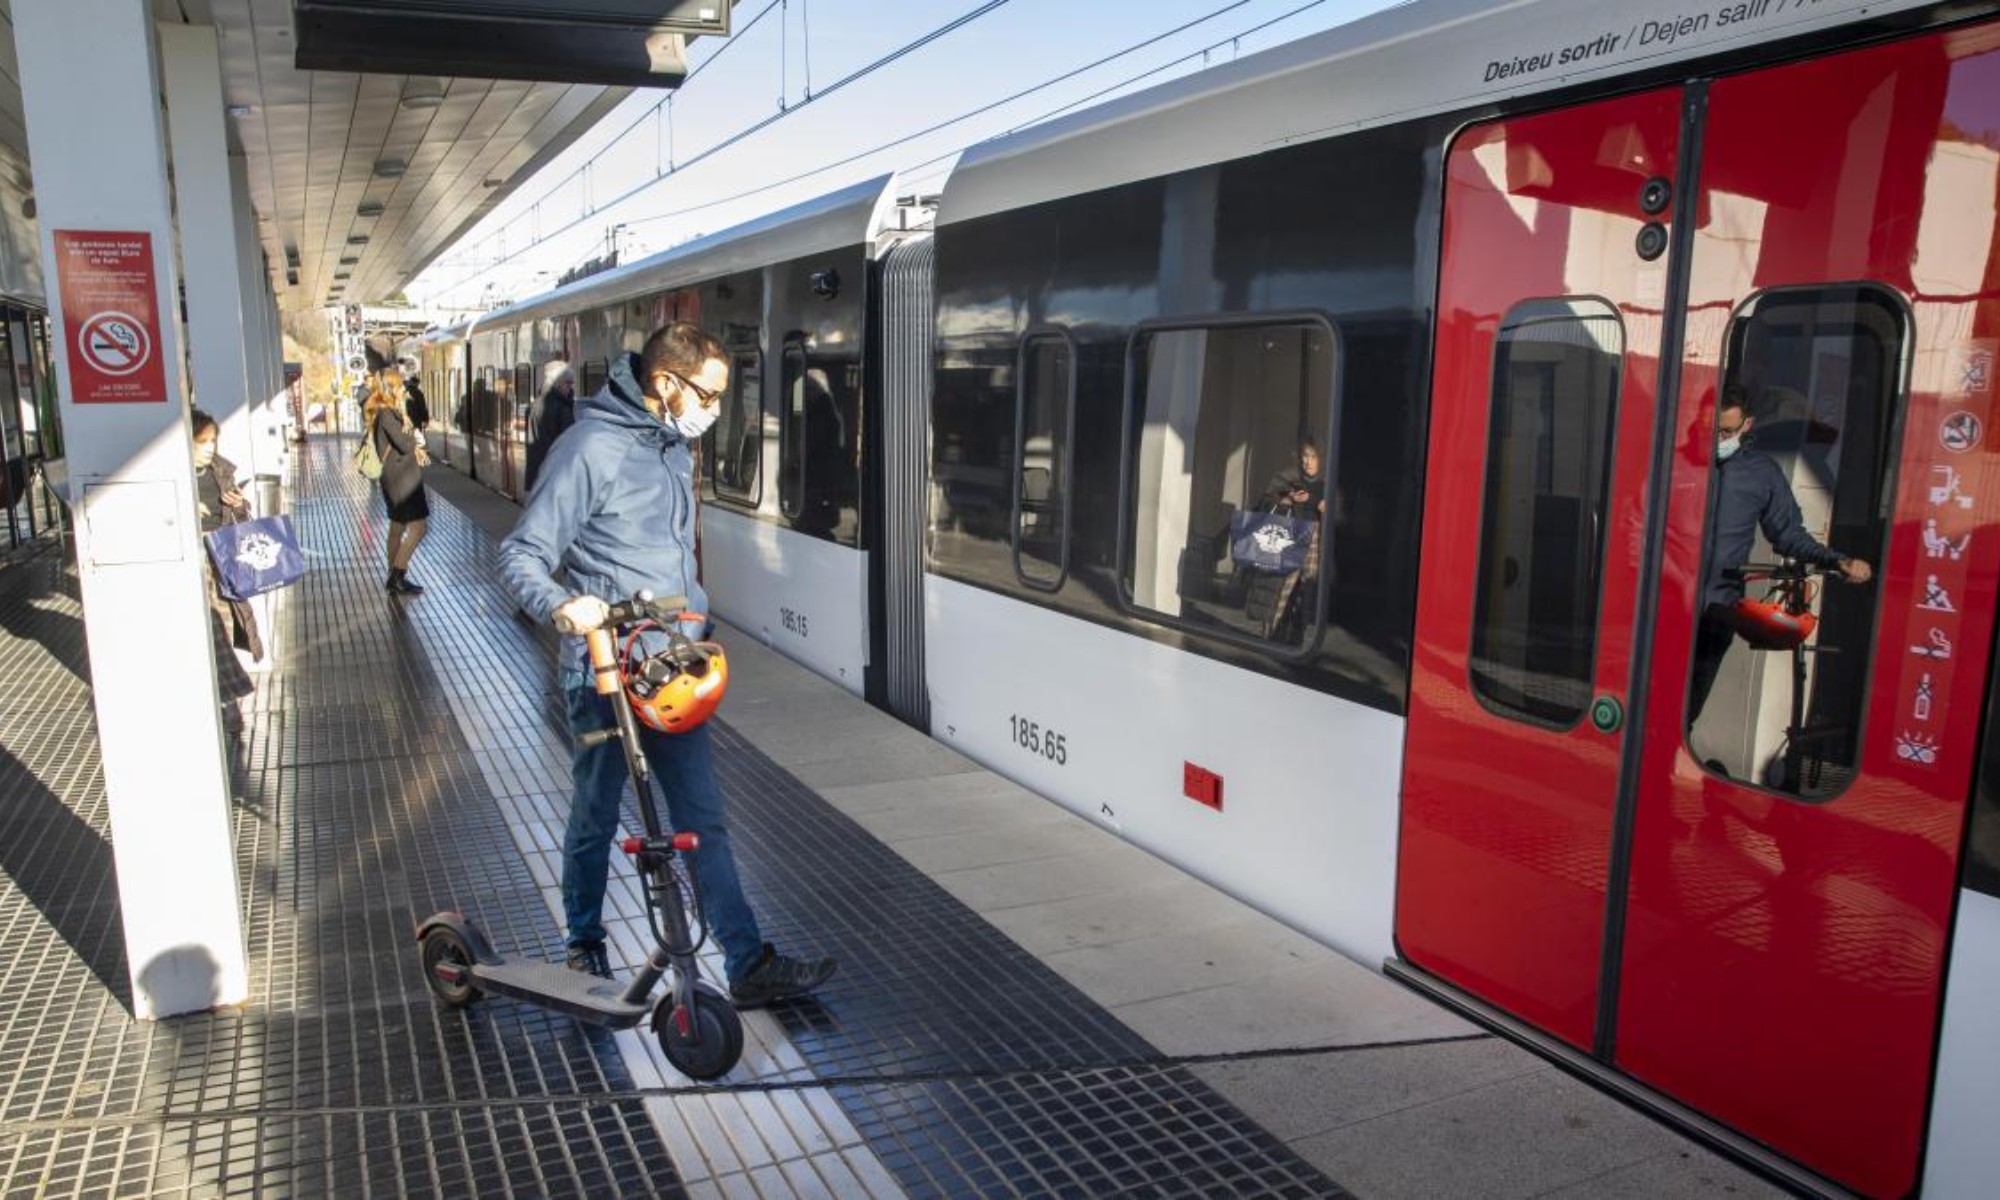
point(676, 688)
point(1770, 625)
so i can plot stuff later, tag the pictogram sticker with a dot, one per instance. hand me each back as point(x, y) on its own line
point(1935, 645)
point(1920, 748)
point(1959, 432)
point(1936, 599)
point(1937, 545)
point(1947, 487)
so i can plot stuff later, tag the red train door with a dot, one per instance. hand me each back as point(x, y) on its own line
point(1796, 843)
point(1542, 411)
point(1742, 900)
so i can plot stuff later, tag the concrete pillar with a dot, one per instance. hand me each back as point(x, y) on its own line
point(220, 322)
point(267, 346)
point(90, 86)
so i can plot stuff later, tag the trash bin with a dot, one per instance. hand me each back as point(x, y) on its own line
point(268, 497)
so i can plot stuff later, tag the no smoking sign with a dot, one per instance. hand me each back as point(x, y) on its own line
point(109, 312)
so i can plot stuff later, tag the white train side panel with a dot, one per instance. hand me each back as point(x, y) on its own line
point(1313, 847)
point(803, 596)
point(1964, 1156)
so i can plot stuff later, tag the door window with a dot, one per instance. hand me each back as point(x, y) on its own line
point(1548, 471)
point(818, 480)
point(736, 450)
point(1043, 420)
point(1806, 430)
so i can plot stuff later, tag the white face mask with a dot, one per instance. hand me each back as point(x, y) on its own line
point(1727, 447)
point(695, 420)
point(204, 453)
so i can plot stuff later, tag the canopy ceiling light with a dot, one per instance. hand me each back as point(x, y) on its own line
point(389, 168)
point(368, 208)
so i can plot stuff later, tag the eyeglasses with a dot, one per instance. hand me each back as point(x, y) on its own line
point(707, 397)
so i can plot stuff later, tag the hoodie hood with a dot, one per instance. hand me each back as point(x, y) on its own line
point(621, 401)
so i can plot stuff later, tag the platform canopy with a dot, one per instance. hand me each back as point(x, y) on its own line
point(363, 167)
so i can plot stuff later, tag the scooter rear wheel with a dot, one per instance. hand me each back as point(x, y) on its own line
point(448, 967)
point(713, 1041)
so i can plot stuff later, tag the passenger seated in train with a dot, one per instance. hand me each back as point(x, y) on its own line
point(1298, 492)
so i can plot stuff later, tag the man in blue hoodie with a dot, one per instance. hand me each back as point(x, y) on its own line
point(614, 509)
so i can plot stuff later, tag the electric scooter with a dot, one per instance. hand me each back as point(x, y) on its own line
point(697, 1027)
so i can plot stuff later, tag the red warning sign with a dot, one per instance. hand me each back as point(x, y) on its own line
point(110, 327)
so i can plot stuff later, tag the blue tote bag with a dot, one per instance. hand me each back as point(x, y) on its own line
point(255, 556)
point(1269, 541)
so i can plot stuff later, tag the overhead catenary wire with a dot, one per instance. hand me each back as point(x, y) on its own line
point(969, 114)
point(907, 48)
point(946, 123)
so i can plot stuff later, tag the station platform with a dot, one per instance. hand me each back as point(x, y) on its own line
point(1025, 1005)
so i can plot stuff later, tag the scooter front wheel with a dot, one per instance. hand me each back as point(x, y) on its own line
point(704, 1043)
point(448, 967)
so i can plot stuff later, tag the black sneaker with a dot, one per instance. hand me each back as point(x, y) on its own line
point(589, 957)
point(779, 977)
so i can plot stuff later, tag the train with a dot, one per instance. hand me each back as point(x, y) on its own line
point(1309, 471)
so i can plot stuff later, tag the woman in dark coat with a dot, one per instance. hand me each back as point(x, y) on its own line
point(401, 447)
point(232, 623)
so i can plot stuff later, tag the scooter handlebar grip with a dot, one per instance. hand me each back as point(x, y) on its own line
point(597, 737)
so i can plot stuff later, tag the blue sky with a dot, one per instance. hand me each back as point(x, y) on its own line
point(567, 212)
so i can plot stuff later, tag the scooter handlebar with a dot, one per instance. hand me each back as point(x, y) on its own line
point(644, 607)
point(1751, 572)
point(602, 644)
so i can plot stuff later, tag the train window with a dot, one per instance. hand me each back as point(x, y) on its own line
point(1228, 428)
point(1548, 469)
point(1805, 429)
point(1044, 423)
point(736, 444)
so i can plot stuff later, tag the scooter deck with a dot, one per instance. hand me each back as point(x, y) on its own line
point(585, 997)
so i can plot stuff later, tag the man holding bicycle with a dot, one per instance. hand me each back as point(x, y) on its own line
point(1751, 494)
point(614, 510)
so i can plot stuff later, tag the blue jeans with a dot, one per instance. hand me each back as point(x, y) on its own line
point(685, 775)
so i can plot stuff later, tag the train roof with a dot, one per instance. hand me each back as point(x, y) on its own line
point(1416, 59)
point(848, 217)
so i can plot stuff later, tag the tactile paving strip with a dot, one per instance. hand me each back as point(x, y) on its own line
point(966, 1065)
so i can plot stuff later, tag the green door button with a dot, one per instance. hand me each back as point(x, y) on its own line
point(1607, 714)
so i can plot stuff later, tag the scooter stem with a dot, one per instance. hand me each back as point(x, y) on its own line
point(603, 650)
